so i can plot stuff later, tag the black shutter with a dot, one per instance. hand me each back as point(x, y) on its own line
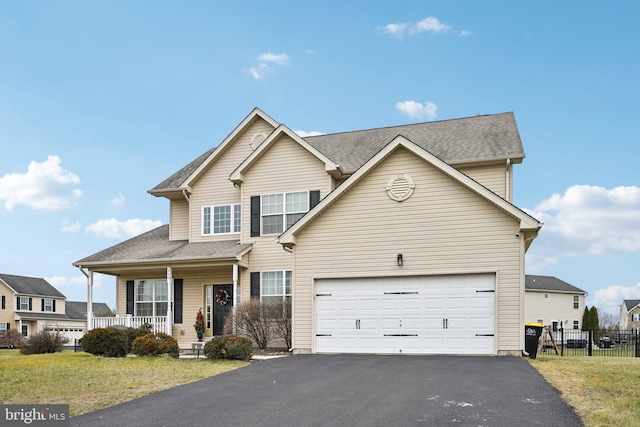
point(130, 291)
point(255, 216)
point(17, 303)
point(314, 198)
point(3, 304)
point(30, 304)
point(42, 301)
point(54, 306)
point(255, 285)
point(177, 300)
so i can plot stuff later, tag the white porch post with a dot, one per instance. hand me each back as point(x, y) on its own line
point(90, 301)
point(169, 324)
point(235, 296)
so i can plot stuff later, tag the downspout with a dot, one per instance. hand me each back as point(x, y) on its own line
point(89, 277)
point(184, 193)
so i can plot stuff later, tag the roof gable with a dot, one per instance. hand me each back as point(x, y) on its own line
point(182, 179)
point(630, 304)
point(30, 286)
point(527, 223)
point(237, 176)
point(549, 283)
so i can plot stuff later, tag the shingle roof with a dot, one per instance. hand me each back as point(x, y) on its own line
point(457, 141)
point(630, 303)
point(466, 140)
point(549, 283)
point(30, 285)
point(36, 315)
point(155, 245)
point(78, 309)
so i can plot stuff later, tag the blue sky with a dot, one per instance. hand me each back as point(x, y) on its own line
point(101, 101)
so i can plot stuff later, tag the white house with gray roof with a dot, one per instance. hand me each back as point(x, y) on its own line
point(393, 240)
point(553, 302)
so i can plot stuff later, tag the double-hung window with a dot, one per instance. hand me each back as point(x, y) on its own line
point(221, 219)
point(576, 302)
point(151, 297)
point(23, 303)
point(47, 304)
point(275, 286)
point(3, 328)
point(576, 324)
point(281, 210)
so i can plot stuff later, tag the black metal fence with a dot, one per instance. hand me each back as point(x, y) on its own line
point(600, 343)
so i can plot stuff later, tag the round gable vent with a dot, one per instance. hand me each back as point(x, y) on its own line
point(400, 187)
point(257, 139)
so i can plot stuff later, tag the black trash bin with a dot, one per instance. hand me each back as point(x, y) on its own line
point(532, 332)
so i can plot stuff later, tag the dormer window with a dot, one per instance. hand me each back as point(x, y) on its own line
point(221, 219)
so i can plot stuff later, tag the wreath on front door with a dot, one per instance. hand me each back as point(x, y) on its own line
point(223, 297)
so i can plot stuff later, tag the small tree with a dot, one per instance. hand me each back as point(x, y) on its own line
point(253, 319)
point(282, 321)
point(586, 319)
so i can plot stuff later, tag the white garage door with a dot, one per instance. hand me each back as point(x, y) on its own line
point(415, 315)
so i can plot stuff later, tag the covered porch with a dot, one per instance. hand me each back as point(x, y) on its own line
point(161, 284)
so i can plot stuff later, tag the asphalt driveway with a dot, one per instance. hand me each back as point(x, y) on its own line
point(354, 390)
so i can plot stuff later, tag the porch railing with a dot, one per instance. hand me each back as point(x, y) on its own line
point(157, 323)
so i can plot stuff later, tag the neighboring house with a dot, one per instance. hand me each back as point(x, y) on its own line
point(551, 301)
point(394, 240)
point(630, 315)
point(31, 303)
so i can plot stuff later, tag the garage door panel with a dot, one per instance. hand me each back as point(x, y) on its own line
point(429, 315)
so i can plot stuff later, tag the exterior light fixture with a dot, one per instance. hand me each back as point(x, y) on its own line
point(400, 260)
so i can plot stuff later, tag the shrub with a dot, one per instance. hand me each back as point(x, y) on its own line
point(229, 347)
point(44, 341)
point(253, 318)
point(133, 333)
point(282, 321)
point(12, 338)
point(155, 344)
point(108, 342)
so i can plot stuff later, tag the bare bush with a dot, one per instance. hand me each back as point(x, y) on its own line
point(12, 338)
point(282, 321)
point(44, 341)
point(261, 321)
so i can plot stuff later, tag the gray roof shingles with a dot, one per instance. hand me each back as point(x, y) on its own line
point(78, 309)
point(630, 303)
point(31, 285)
point(456, 141)
point(549, 283)
point(155, 245)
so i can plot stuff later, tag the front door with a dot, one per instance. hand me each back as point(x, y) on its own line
point(222, 303)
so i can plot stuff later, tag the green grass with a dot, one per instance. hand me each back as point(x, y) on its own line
point(605, 391)
point(87, 383)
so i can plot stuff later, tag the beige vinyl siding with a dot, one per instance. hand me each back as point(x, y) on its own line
point(179, 220)
point(213, 186)
point(494, 177)
point(443, 228)
point(6, 315)
point(557, 307)
point(193, 286)
point(284, 167)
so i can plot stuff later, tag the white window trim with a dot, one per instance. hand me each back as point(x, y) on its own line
point(48, 302)
point(576, 300)
point(153, 300)
point(284, 293)
point(232, 207)
point(26, 303)
point(284, 210)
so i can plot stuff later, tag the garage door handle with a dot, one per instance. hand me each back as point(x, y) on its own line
point(400, 335)
point(485, 335)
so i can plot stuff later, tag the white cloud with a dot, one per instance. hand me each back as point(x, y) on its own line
point(111, 228)
point(70, 227)
point(264, 69)
point(59, 282)
point(609, 299)
point(118, 201)
point(304, 134)
point(280, 58)
point(427, 25)
point(46, 185)
point(589, 220)
point(416, 110)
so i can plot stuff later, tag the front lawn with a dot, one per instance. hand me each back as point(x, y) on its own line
point(87, 383)
point(604, 390)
